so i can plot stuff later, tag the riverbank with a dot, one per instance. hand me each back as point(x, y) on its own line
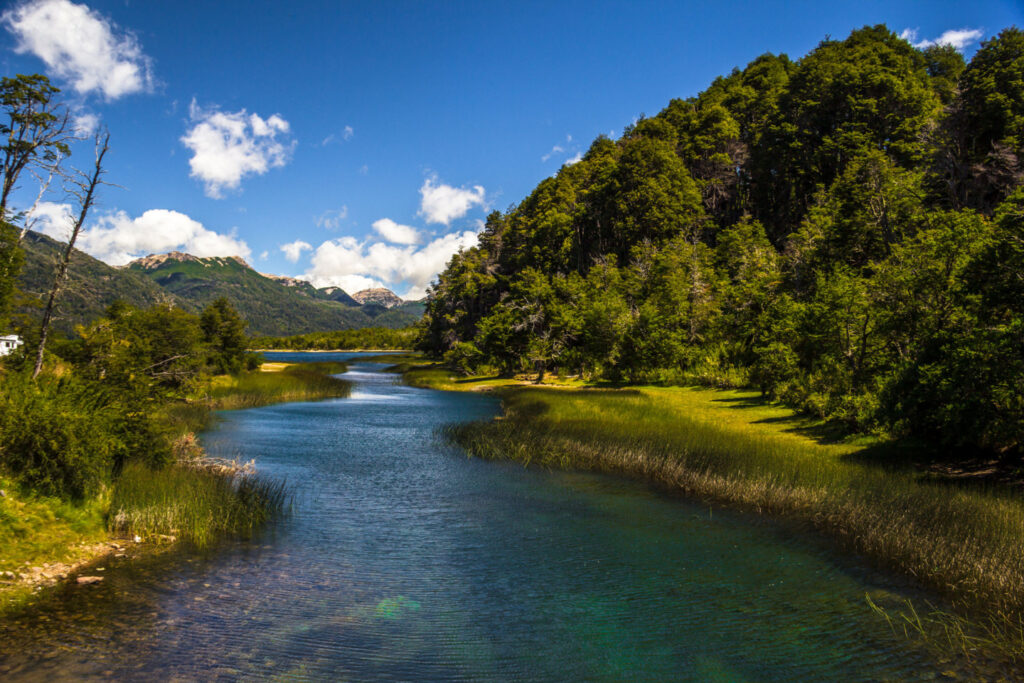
point(46, 540)
point(278, 383)
point(953, 536)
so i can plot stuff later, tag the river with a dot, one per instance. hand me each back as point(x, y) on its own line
point(405, 560)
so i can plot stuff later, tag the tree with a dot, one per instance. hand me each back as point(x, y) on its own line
point(224, 330)
point(85, 193)
point(34, 132)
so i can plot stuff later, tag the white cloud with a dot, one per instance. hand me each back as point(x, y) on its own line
point(117, 239)
point(86, 124)
point(444, 203)
point(81, 46)
point(226, 147)
point(53, 220)
point(557, 149)
point(958, 38)
point(353, 265)
point(364, 169)
point(396, 232)
point(575, 159)
point(346, 135)
point(293, 250)
point(332, 218)
point(264, 255)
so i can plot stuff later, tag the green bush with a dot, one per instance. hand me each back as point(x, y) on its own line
point(58, 436)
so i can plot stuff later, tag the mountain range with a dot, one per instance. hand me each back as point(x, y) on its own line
point(272, 305)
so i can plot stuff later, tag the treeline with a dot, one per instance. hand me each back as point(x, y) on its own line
point(845, 231)
point(371, 338)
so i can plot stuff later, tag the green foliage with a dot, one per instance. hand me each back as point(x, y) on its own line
point(366, 338)
point(32, 134)
point(224, 332)
point(65, 437)
point(843, 231)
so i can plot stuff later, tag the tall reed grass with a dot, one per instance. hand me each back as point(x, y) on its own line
point(962, 541)
point(294, 382)
point(194, 504)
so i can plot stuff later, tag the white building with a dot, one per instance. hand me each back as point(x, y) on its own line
point(8, 343)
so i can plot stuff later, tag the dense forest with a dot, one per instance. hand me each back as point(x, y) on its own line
point(844, 231)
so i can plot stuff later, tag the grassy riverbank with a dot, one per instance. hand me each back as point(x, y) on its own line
point(278, 383)
point(956, 537)
point(44, 539)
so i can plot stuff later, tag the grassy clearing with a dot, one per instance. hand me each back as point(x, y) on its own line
point(194, 504)
point(277, 383)
point(960, 540)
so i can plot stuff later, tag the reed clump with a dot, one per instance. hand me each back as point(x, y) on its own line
point(961, 541)
point(195, 503)
point(290, 382)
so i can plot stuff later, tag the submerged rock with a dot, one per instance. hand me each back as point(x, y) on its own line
point(86, 580)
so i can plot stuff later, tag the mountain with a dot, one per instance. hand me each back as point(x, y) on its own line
point(91, 285)
point(335, 294)
point(272, 305)
point(384, 297)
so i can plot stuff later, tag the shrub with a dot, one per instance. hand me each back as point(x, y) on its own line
point(58, 436)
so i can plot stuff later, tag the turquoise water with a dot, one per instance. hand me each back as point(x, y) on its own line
point(405, 560)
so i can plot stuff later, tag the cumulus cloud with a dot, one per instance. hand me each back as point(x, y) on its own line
point(575, 159)
point(353, 264)
point(227, 146)
point(52, 219)
point(80, 46)
point(332, 218)
point(396, 232)
point(443, 203)
point(958, 38)
point(293, 250)
point(85, 124)
point(117, 238)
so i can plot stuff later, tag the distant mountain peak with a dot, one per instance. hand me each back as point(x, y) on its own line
point(287, 281)
point(378, 295)
point(156, 260)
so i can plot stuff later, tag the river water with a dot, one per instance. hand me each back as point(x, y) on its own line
point(406, 560)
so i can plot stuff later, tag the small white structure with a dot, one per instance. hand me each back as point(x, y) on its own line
point(8, 343)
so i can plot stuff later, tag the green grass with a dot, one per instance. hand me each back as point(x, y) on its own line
point(962, 541)
point(288, 382)
point(38, 530)
point(193, 504)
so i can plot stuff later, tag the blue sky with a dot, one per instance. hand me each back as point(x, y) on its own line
point(362, 143)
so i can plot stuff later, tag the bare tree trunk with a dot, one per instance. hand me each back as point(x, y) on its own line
point(86, 196)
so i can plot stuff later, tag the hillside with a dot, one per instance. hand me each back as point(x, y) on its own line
point(271, 305)
point(92, 285)
point(843, 232)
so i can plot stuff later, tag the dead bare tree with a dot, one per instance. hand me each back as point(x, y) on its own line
point(85, 193)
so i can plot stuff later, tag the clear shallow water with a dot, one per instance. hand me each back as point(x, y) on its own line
point(404, 560)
